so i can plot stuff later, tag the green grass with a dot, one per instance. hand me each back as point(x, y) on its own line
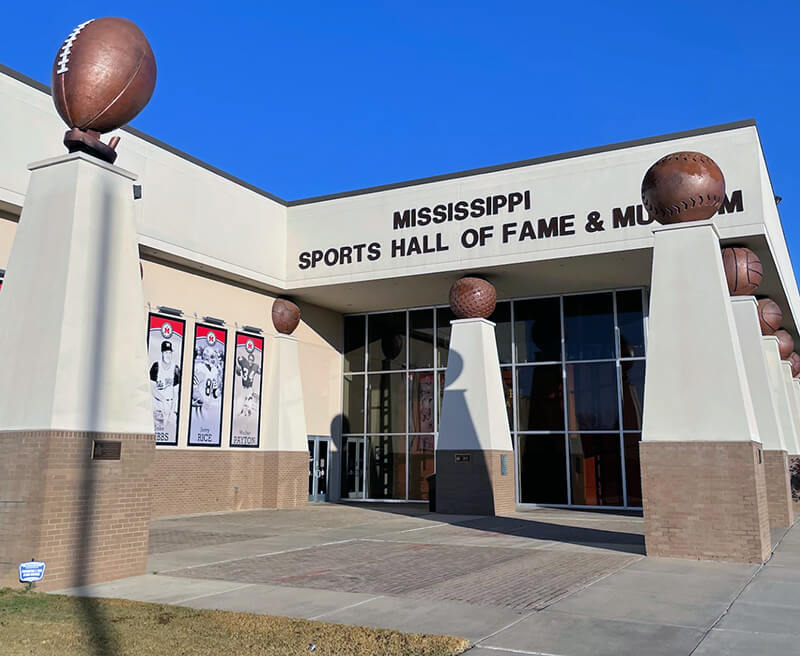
point(36, 624)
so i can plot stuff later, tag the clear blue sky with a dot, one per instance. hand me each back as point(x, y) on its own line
point(320, 97)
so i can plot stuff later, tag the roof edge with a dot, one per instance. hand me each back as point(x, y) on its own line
point(671, 136)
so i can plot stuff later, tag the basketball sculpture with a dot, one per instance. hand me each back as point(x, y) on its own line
point(103, 76)
point(769, 316)
point(683, 187)
point(285, 316)
point(472, 298)
point(742, 269)
point(794, 360)
point(785, 343)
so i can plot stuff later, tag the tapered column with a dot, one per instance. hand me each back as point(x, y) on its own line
point(286, 440)
point(474, 456)
point(703, 484)
point(77, 426)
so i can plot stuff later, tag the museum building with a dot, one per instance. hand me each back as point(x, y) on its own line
point(564, 239)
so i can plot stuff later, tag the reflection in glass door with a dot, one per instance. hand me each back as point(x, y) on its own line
point(318, 462)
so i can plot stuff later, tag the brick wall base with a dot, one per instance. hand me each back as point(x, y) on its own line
point(705, 500)
point(88, 520)
point(779, 489)
point(476, 486)
point(794, 476)
point(187, 481)
point(285, 479)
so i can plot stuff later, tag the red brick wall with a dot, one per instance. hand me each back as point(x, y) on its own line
point(705, 500)
point(779, 490)
point(285, 479)
point(87, 519)
point(476, 487)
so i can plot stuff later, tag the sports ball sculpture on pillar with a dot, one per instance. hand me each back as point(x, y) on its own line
point(103, 76)
point(743, 270)
point(709, 423)
point(285, 316)
point(472, 297)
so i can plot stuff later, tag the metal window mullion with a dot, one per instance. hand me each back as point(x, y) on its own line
point(565, 394)
point(408, 395)
point(618, 351)
point(366, 407)
point(514, 420)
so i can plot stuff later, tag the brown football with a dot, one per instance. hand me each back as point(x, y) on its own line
point(769, 316)
point(794, 360)
point(681, 187)
point(742, 269)
point(285, 316)
point(103, 75)
point(785, 343)
point(472, 297)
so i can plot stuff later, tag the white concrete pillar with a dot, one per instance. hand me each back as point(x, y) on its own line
point(780, 393)
point(76, 415)
point(745, 315)
point(474, 454)
point(285, 438)
point(703, 479)
point(794, 406)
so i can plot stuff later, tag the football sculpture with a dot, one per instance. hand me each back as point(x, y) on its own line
point(681, 187)
point(785, 343)
point(472, 298)
point(103, 76)
point(743, 270)
point(285, 316)
point(769, 316)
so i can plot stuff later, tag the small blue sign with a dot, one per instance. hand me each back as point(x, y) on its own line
point(31, 571)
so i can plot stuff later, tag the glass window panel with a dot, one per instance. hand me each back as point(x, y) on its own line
point(595, 470)
point(443, 318)
point(592, 396)
point(542, 468)
point(507, 376)
point(420, 465)
point(630, 320)
point(420, 339)
point(353, 404)
point(353, 468)
point(387, 341)
point(355, 337)
point(540, 398)
point(589, 327)
point(502, 318)
point(632, 372)
point(421, 391)
point(537, 330)
point(386, 474)
point(386, 399)
point(633, 474)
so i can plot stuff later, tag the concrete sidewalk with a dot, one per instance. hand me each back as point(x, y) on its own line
point(556, 582)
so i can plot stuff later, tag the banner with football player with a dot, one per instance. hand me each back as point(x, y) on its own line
point(246, 408)
point(208, 374)
point(165, 353)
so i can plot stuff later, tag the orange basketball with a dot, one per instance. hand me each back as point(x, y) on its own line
point(769, 316)
point(742, 269)
point(785, 343)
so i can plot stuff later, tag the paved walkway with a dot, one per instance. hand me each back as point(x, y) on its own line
point(556, 582)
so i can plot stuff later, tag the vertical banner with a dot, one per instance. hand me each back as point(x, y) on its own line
point(165, 354)
point(246, 407)
point(208, 373)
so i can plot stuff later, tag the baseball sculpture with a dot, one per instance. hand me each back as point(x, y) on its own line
point(285, 316)
point(742, 269)
point(683, 187)
point(472, 298)
point(769, 316)
point(103, 76)
point(785, 343)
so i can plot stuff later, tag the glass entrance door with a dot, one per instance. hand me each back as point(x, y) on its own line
point(318, 462)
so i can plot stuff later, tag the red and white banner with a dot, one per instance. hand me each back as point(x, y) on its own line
point(246, 407)
point(165, 354)
point(208, 377)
